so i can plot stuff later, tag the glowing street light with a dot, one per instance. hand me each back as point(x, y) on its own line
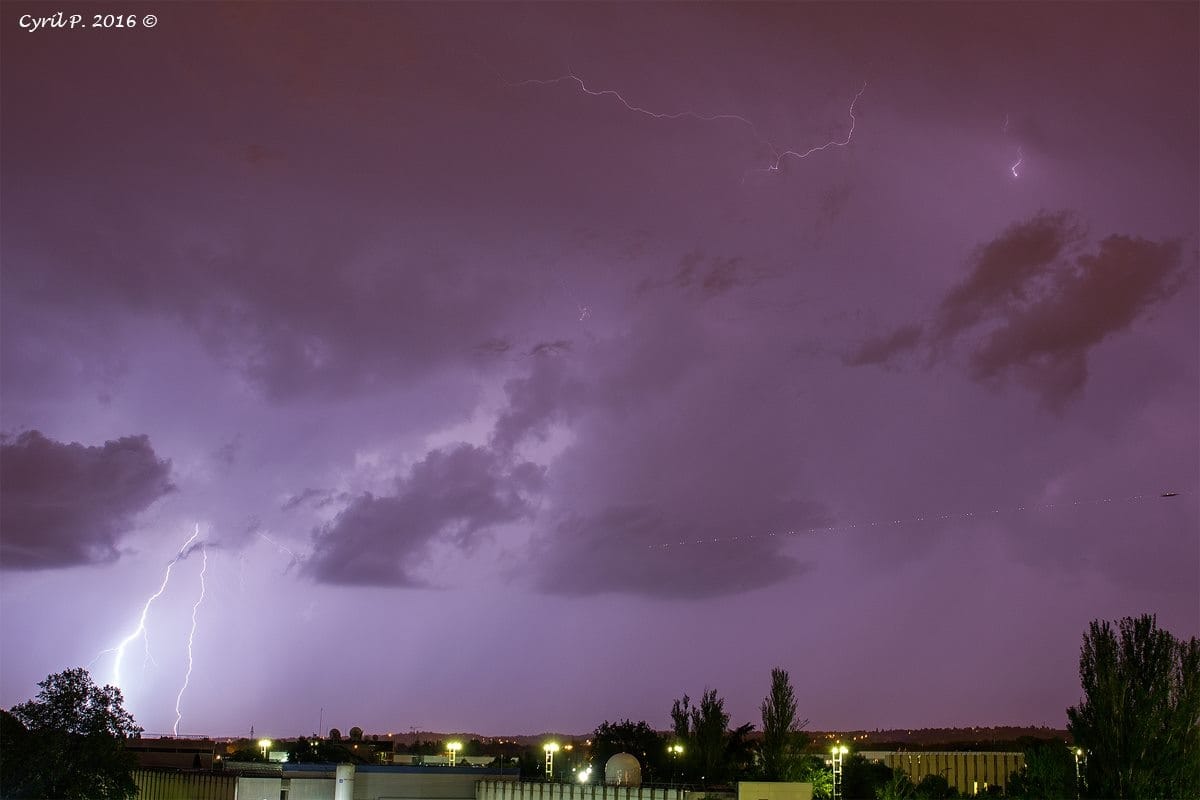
point(676, 750)
point(264, 745)
point(452, 749)
point(839, 750)
point(551, 748)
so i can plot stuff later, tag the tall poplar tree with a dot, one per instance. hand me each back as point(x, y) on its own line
point(1139, 718)
point(782, 740)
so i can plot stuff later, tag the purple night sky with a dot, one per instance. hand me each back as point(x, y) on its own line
point(437, 345)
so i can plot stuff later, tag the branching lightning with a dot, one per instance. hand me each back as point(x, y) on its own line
point(1017, 163)
point(778, 155)
point(819, 148)
point(583, 87)
point(282, 548)
point(930, 518)
point(187, 677)
point(140, 630)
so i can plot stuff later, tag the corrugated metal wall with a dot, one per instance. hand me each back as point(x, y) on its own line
point(511, 790)
point(154, 785)
point(967, 772)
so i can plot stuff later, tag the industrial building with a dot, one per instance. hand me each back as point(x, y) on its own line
point(318, 782)
point(971, 773)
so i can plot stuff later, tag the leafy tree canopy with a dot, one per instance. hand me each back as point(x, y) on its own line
point(782, 741)
point(1139, 718)
point(1049, 772)
point(68, 742)
point(635, 738)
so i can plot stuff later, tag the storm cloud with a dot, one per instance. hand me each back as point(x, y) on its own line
point(65, 505)
point(1035, 303)
point(453, 494)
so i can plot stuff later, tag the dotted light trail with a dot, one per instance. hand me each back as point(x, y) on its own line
point(886, 523)
point(187, 676)
point(778, 155)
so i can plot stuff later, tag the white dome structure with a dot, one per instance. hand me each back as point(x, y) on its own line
point(623, 770)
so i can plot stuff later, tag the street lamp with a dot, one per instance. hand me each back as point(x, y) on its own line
point(264, 745)
point(675, 750)
point(452, 749)
point(839, 750)
point(551, 748)
point(1080, 767)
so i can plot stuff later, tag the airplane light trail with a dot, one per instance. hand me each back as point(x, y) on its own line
point(778, 155)
point(187, 677)
point(966, 515)
point(140, 630)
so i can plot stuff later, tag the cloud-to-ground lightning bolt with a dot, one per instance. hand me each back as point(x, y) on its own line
point(778, 155)
point(140, 630)
point(187, 676)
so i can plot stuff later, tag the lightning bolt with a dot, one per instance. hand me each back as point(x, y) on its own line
point(1017, 163)
point(819, 148)
point(620, 98)
point(140, 630)
point(294, 557)
point(777, 154)
point(187, 677)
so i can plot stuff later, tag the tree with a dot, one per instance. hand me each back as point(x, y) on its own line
point(934, 787)
point(1048, 774)
point(740, 753)
point(69, 741)
point(863, 779)
point(637, 739)
point(708, 724)
point(1139, 719)
point(782, 741)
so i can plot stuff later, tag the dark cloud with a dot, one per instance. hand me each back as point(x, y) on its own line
point(1037, 304)
point(227, 453)
point(1006, 270)
point(493, 346)
point(548, 393)
point(620, 550)
point(309, 494)
point(557, 347)
point(451, 494)
point(706, 277)
point(638, 473)
point(881, 350)
point(63, 505)
point(1047, 341)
